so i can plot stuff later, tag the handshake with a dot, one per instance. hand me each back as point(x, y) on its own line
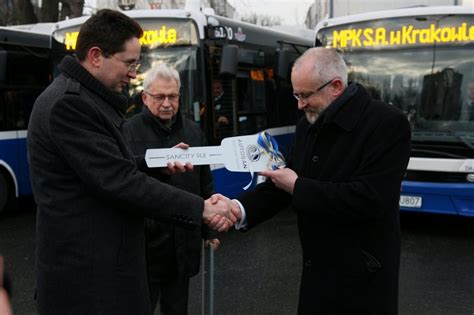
point(221, 213)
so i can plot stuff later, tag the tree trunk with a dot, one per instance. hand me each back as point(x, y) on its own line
point(4, 12)
point(49, 11)
point(72, 8)
point(24, 13)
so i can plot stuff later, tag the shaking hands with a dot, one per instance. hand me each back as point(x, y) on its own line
point(221, 213)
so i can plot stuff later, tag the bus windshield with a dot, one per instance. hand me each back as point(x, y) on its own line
point(184, 59)
point(173, 41)
point(430, 77)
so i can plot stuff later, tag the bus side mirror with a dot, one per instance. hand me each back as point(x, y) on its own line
point(282, 65)
point(230, 59)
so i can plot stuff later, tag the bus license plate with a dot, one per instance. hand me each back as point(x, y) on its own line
point(410, 201)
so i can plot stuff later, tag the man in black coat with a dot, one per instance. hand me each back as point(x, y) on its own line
point(91, 198)
point(343, 180)
point(173, 253)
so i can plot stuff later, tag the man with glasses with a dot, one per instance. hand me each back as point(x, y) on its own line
point(173, 253)
point(343, 180)
point(91, 197)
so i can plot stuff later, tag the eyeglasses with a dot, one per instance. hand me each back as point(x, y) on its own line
point(132, 66)
point(303, 97)
point(160, 98)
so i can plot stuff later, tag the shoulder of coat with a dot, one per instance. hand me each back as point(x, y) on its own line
point(73, 87)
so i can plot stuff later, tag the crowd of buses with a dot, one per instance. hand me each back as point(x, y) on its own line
point(419, 59)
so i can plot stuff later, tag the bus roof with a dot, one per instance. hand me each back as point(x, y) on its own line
point(13, 36)
point(198, 17)
point(260, 35)
point(41, 28)
point(403, 12)
point(203, 20)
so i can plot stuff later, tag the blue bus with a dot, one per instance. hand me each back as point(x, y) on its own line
point(25, 70)
point(422, 61)
point(249, 65)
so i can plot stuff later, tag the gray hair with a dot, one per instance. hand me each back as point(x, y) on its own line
point(161, 71)
point(327, 64)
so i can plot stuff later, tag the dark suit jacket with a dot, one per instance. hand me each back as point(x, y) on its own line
point(172, 251)
point(92, 201)
point(350, 165)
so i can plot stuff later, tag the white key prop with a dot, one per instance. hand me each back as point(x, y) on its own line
point(253, 153)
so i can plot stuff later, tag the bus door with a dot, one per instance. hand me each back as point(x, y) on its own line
point(239, 108)
point(221, 113)
point(239, 101)
point(251, 102)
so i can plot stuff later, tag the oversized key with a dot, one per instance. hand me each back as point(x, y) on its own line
point(253, 153)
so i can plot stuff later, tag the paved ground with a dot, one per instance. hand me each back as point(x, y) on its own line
point(258, 272)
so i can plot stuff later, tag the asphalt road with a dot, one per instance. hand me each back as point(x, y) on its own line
point(258, 272)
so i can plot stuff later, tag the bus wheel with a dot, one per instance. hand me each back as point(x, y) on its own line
point(4, 193)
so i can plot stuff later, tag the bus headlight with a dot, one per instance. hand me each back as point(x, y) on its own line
point(470, 178)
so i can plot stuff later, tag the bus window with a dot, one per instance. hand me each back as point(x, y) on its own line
point(15, 108)
point(251, 112)
point(441, 95)
point(222, 91)
point(19, 89)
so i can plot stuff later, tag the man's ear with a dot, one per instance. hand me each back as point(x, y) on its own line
point(337, 87)
point(94, 55)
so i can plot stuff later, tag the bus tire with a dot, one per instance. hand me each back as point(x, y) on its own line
point(5, 193)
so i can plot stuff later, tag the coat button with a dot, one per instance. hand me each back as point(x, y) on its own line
point(308, 263)
point(315, 159)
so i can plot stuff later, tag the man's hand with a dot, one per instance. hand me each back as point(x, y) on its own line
point(5, 307)
point(218, 222)
point(178, 167)
point(215, 243)
point(283, 178)
point(222, 120)
point(220, 213)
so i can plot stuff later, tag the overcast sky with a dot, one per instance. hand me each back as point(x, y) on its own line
point(292, 12)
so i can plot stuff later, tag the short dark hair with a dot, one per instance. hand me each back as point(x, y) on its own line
point(108, 30)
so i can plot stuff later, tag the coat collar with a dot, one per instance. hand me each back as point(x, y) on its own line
point(175, 125)
point(71, 67)
point(347, 109)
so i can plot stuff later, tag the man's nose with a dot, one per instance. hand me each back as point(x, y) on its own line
point(132, 74)
point(166, 102)
point(301, 104)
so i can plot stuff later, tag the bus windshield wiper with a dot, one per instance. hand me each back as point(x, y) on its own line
point(439, 153)
point(462, 139)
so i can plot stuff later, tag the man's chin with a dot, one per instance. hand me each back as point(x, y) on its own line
point(120, 88)
point(311, 117)
point(165, 117)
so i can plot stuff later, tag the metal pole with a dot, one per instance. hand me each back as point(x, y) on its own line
point(207, 281)
point(203, 279)
point(211, 280)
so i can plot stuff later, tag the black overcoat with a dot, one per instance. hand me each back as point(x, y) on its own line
point(350, 165)
point(172, 251)
point(92, 200)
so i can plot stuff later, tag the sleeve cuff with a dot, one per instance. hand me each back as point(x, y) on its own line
point(242, 223)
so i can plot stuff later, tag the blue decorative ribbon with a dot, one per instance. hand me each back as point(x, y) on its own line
point(270, 148)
